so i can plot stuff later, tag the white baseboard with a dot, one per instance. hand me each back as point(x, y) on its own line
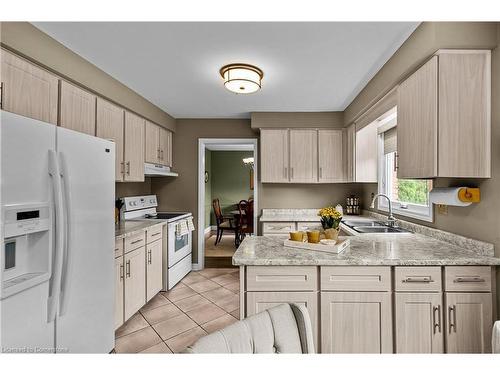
point(196, 267)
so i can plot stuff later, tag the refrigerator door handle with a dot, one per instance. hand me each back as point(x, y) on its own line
point(68, 259)
point(55, 280)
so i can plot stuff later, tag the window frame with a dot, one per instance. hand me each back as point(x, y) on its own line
point(415, 211)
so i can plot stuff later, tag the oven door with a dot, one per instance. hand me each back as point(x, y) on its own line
point(178, 246)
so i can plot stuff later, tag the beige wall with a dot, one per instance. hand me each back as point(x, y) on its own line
point(297, 120)
point(480, 221)
point(28, 41)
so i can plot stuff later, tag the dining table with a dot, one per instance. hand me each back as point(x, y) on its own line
point(236, 215)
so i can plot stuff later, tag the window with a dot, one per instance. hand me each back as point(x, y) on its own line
point(409, 197)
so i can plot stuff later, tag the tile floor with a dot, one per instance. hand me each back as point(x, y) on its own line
point(201, 303)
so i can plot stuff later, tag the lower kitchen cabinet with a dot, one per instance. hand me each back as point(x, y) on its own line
point(154, 280)
point(119, 291)
point(260, 301)
point(468, 322)
point(419, 323)
point(135, 281)
point(356, 322)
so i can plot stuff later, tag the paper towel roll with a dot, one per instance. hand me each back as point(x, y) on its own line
point(448, 196)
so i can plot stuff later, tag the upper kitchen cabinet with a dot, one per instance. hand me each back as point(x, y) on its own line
point(303, 155)
point(444, 127)
point(349, 154)
point(330, 156)
point(77, 109)
point(158, 145)
point(28, 90)
point(366, 156)
point(134, 147)
point(274, 155)
point(166, 147)
point(110, 125)
point(152, 145)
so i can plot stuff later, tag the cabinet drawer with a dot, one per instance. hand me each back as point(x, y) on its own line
point(467, 279)
point(280, 227)
point(282, 278)
point(417, 279)
point(354, 278)
point(154, 233)
point(135, 241)
point(118, 247)
point(305, 226)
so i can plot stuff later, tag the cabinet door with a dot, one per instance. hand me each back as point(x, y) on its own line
point(77, 109)
point(303, 155)
point(464, 114)
point(260, 301)
point(165, 147)
point(419, 323)
point(469, 322)
point(28, 90)
point(350, 153)
point(366, 153)
point(110, 126)
point(119, 276)
point(356, 322)
point(152, 154)
point(135, 281)
point(154, 274)
point(274, 155)
point(417, 123)
point(134, 147)
point(330, 156)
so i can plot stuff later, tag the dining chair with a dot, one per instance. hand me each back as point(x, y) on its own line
point(223, 222)
point(245, 225)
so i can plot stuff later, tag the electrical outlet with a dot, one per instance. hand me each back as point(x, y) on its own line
point(442, 209)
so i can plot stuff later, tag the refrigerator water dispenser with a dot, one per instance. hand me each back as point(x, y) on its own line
point(26, 251)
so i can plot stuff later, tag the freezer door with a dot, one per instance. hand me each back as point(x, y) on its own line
point(85, 323)
point(24, 147)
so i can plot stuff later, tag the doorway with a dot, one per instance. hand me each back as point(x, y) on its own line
point(227, 172)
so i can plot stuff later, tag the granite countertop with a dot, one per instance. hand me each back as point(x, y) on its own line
point(275, 215)
point(127, 228)
point(389, 250)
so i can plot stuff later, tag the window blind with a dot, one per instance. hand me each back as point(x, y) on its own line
point(390, 140)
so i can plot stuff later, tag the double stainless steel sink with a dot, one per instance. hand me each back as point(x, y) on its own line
point(369, 226)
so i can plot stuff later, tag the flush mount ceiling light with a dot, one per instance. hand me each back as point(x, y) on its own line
point(242, 78)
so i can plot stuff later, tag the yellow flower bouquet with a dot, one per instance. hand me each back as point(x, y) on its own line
point(330, 217)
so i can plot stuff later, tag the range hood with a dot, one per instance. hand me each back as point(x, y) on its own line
point(155, 170)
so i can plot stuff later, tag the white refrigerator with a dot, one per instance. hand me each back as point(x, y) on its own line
point(57, 235)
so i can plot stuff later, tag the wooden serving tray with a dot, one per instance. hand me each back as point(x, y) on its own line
point(333, 249)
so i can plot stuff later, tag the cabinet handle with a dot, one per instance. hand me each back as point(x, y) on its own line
point(127, 268)
point(136, 241)
point(396, 162)
point(2, 88)
point(128, 168)
point(122, 167)
point(285, 173)
point(156, 234)
point(417, 279)
point(291, 172)
point(161, 154)
point(469, 279)
point(438, 323)
point(122, 276)
point(149, 256)
point(452, 313)
point(158, 154)
point(320, 172)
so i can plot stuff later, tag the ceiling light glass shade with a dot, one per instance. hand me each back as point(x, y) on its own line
point(242, 78)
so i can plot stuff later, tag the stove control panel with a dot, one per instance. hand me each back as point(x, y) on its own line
point(140, 202)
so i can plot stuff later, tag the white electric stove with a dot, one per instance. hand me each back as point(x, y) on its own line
point(177, 241)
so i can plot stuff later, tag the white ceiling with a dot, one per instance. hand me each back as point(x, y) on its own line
point(308, 66)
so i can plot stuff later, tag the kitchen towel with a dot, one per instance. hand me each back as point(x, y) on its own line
point(181, 228)
point(190, 224)
point(447, 196)
point(495, 338)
